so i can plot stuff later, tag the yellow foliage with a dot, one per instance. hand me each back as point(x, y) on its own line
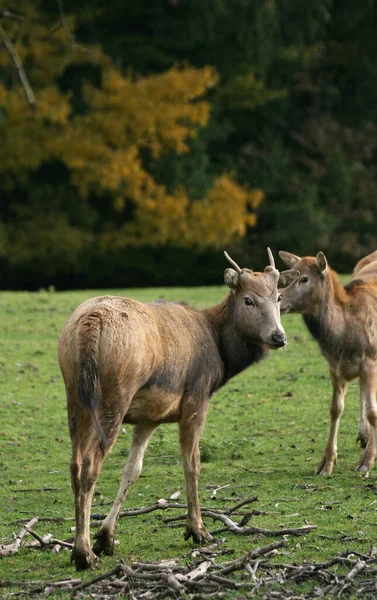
point(223, 214)
point(155, 112)
point(217, 219)
point(102, 147)
point(53, 106)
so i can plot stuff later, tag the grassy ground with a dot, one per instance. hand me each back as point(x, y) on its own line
point(265, 432)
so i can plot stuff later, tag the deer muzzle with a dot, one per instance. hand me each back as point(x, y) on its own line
point(279, 339)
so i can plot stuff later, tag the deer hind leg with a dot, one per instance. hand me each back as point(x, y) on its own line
point(368, 387)
point(191, 425)
point(105, 535)
point(88, 455)
point(364, 429)
point(329, 457)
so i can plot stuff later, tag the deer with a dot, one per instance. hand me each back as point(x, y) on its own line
point(145, 364)
point(343, 321)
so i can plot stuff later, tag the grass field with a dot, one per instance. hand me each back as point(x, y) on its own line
point(265, 432)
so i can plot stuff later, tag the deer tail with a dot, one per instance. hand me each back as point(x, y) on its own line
point(90, 393)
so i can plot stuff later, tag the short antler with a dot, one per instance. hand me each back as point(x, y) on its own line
point(234, 264)
point(271, 257)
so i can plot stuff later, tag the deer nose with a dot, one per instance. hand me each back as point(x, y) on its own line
point(279, 339)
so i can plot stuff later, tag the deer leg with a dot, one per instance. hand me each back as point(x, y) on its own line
point(368, 387)
point(105, 535)
point(87, 458)
point(81, 431)
point(191, 425)
point(329, 457)
point(84, 473)
point(363, 432)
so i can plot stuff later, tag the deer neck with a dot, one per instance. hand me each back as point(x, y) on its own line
point(236, 351)
point(327, 320)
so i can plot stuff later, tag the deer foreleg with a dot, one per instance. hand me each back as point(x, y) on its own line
point(190, 428)
point(368, 387)
point(105, 535)
point(329, 457)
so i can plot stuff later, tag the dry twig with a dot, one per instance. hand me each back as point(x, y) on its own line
point(253, 530)
point(13, 548)
point(348, 575)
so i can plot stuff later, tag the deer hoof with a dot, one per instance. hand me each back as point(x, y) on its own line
point(198, 536)
point(362, 438)
point(323, 468)
point(84, 560)
point(363, 469)
point(366, 463)
point(104, 543)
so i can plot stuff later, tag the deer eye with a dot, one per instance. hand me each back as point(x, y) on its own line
point(304, 279)
point(248, 301)
point(279, 297)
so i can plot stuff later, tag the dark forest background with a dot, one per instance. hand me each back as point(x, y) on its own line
point(165, 132)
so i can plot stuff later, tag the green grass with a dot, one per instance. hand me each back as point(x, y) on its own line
point(265, 432)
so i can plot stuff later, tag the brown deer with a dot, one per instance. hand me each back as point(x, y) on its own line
point(343, 320)
point(145, 364)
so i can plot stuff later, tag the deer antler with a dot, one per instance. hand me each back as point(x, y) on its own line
point(271, 257)
point(234, 264)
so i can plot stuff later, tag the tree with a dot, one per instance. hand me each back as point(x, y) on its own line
point(103, 132)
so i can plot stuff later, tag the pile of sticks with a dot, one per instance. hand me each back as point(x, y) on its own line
point(203, 572)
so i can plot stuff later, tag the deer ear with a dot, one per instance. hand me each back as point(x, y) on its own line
point(288, 258)
point(231, 278)
point(288, 277)
point(321, 262)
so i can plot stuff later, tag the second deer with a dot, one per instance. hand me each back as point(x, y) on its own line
point(343, 320)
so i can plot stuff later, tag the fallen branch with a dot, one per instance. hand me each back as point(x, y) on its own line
point(118, 570)
point(11, 549)
point(44, 489)
point(203, 572)
point(46, 520)
point(232, 526)
point(236, 507)
point(240, 563)
point(131, 512)
point(48, 540)
point(251, 575)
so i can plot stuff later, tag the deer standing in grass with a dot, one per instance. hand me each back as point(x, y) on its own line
point(145, 364)
point(343, 320)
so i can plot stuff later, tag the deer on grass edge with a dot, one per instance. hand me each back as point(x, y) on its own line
point(343, 320)
point(124, 361)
